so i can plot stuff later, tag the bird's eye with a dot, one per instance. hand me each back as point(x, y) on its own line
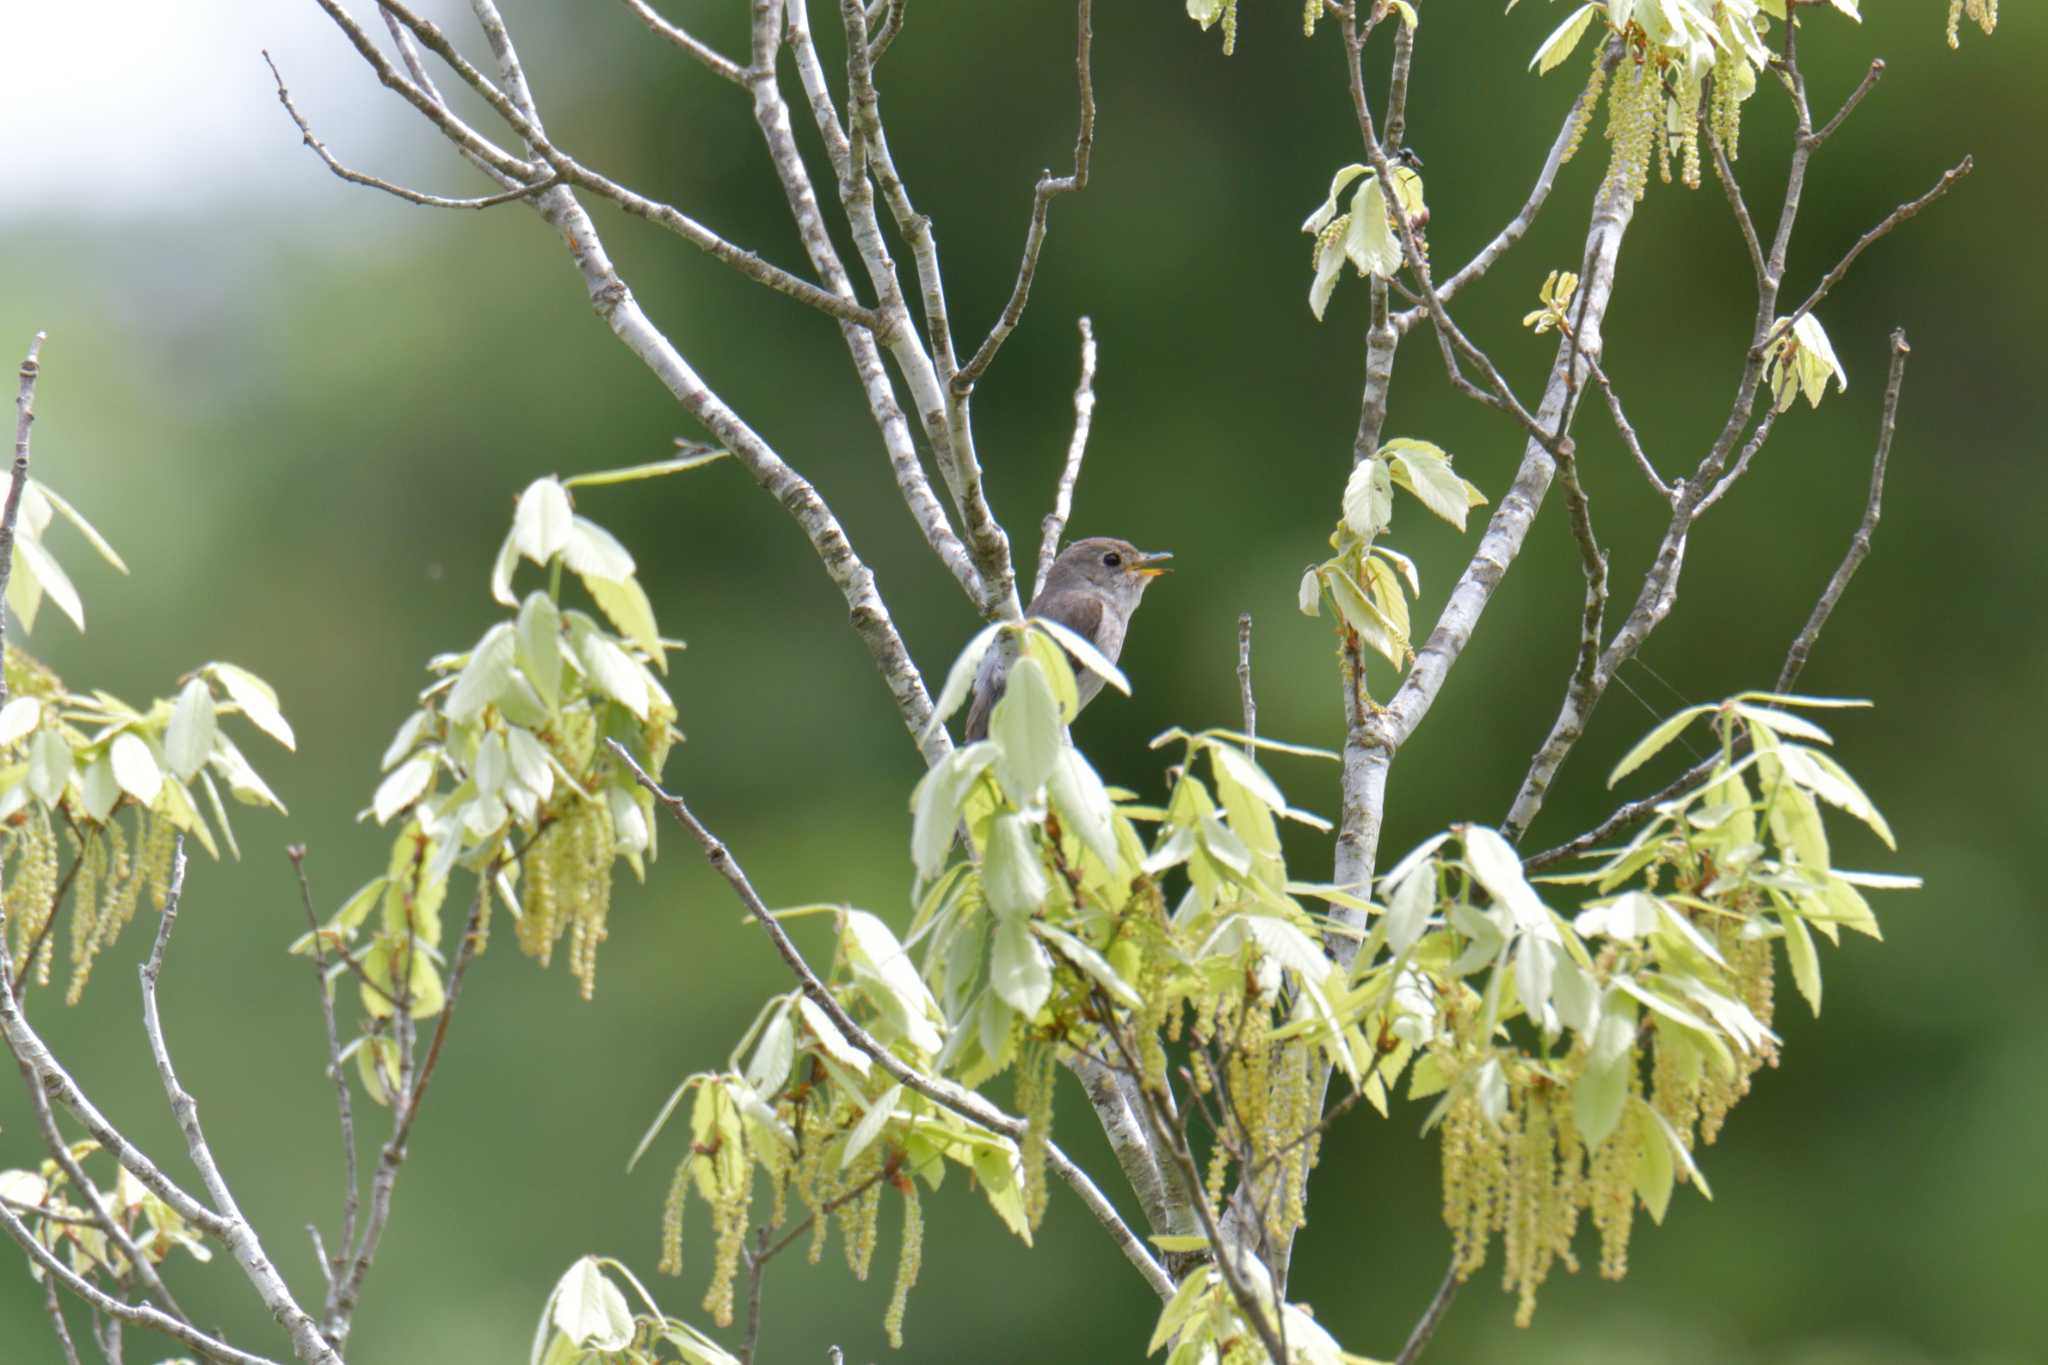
point(1113, 559)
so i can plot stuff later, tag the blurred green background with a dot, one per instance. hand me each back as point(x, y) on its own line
point(302, 411)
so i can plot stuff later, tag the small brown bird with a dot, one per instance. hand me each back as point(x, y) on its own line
point(1092, 590)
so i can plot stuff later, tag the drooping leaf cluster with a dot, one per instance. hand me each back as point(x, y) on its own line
point(94, 791)
point(504, 771)
point(1364, 578)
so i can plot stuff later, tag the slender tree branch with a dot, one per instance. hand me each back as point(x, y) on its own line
point(566, 167)
point(937, 1089)
point(1519, 225)
point(1169, 1135)
point(240, 1234)
point(1055, 523)
point(1756, 440)
point(142, 1315)
point(1859, 543)
point(720, 66)
point(770, 1243)
point(344, 1104)
point(1376, 733)
point(1049, 187)
point(1725, 173)
point(1891, 220)
point(1633, 813)
point(1627, 430)
point(99, 1215)
point(1247, 702)
point(771, 113)
point(1863, 87)
point(614, 303)
point(345, 1293)
point(55, 1308)
point(410, 196)
point(946, 412)
point(1426, 1326)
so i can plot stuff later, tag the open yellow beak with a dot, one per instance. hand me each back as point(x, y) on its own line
point(1148, 565)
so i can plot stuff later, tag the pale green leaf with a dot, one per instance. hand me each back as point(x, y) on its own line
point(1563, 39)
point(1309, 595)
point(1093, 963)
point(1654, 1168)
point(51, 578)
point(1655, 742)
point(96, 788)
point(398, 791)
point(84, 527)
point(135, 767)
point(1084, 806)
point(589, 1309)
point(880, 1110)
point(1017, 967)
point(242, 778)
point(1425, 470)
point(937, 801)
point(1327, 214)
point(20, 716)
point(188, 739)
point(49, 766)
point(1804, 961)
point(1083, 650)
point(1368, 498)
point(539, 652)
point(1026, 729)
point(410, 732)
point(610, 669)
point(540, 524)
point(1012, 875)
point(674, 465)
point(257, 699)
point(960, 678)
point(590, 551)
point(484, 677)
point(830, 1039)
point(626, 604)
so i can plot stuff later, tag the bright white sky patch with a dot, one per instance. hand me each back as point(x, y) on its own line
point(159, 109)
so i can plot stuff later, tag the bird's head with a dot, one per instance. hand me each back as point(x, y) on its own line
point(1107, 565)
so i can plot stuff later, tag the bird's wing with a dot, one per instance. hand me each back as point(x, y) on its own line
point(1081, 612)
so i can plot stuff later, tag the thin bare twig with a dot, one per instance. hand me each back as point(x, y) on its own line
point(937, 1089)
point(1049, 187)
point(1625, 428)
point(1247, 702)
point(1426, 1326)
point(142, 1315)
point(717, 64)
point(1891, 220)
point(410, 196)
point(772, 1242)
point(1055, 523)
point(771, 114)
point(346, 1292)
point(239, 1234)
point(344, 1104)
point(55, 1308)
point(1863, 87)
point(1725, 173)
point(613, 301)
point(1633, 813)
point(565, 166)
point(1859, 543)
